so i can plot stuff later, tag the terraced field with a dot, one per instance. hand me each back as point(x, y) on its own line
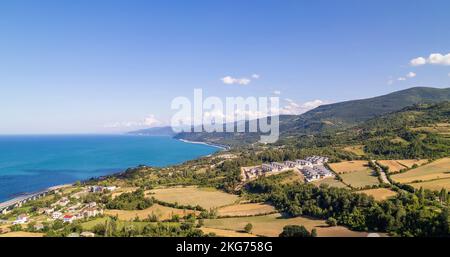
point(436, 185)
point(394, 166)
point(411, 162)
point(438, 169)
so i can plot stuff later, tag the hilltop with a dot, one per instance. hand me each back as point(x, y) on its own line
point(333, 117)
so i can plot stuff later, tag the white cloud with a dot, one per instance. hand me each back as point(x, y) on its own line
point(439, 59)
point(293, 108)
point(411, 74)
point(418, 61)
point(149, 121)
point(240, 81)
point(434, 58)
point(255, 76)
point(277, 92)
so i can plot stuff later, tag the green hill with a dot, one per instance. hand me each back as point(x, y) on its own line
point(333, 117)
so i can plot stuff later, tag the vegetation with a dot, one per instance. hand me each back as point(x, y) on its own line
point(130, 201)
point(417, 214)
point(297, 231)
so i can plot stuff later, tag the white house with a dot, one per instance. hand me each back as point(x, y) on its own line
point(90, 212)
point(111, 188)
point(266, 167)
point(56, 215)
point(290, 164)
point(304, 163)
point(21, 219)
point(277, 166)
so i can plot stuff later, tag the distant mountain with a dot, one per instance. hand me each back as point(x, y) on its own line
point(334, 116)
point(156, 131)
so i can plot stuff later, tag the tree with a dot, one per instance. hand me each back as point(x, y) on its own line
point(443, 195)
point(331, 222)
point(200, 223)
point(248, 228)
point(314, 232)
point(295, 231)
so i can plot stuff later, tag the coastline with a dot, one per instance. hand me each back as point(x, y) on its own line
point(25, 197)
point(223, 147)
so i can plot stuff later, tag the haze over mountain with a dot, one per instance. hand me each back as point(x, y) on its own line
point(155, 131)
point(334, 116)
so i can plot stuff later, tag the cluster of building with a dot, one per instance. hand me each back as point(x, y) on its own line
point(311, 167)
point(100, 189)
point(74, 212)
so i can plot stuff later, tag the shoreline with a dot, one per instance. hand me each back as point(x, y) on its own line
point(9, 202)
point(26, 197)
point(223, 147)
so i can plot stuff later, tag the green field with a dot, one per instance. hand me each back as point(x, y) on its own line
point(332, 182)
point(360, 179)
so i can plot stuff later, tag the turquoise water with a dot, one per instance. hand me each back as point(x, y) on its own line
point(32, 163)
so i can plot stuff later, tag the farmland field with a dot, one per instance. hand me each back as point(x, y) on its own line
point(349, 166)
point(332, 182)
point(122, 190)
point(359, 179)
point(437, 184)
point(272, 225)
point(379, 193)
point(410, 163)
point(356, 149)
point(246, 209)
point(394, 166)
point(205, 197)
point(435, 170)
point(225, 232)
point(162, 212)
point(139, 225)
point(439, 128)
point(22, 234)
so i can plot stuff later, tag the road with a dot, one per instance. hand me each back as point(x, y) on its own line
point(383, 176)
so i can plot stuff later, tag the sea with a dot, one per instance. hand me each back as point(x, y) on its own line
point(32, 163)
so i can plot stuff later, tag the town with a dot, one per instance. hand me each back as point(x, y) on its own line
point(312, 168)
point(66, 209)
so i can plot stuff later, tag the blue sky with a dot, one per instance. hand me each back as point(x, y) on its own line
point(96, 66)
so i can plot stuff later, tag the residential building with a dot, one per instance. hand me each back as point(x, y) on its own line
point(68, 218)
point(21, 219)
point(56, 215)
